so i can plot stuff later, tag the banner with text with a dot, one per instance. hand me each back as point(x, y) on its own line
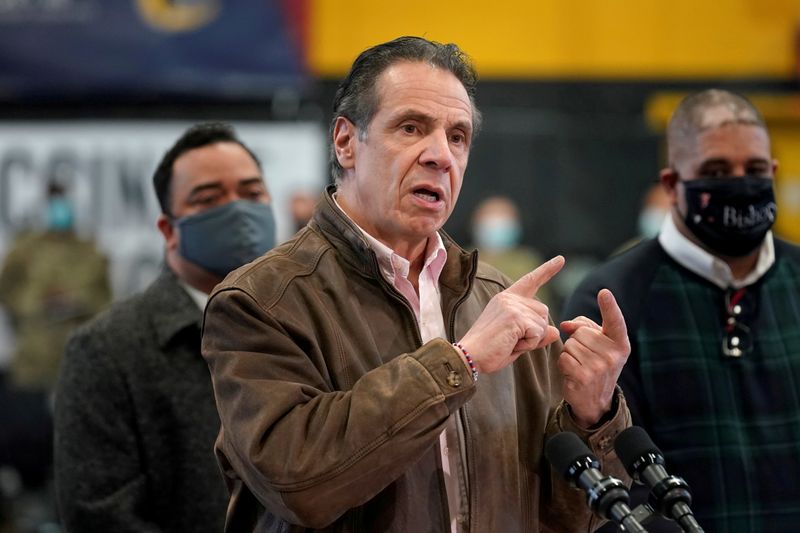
point(107, 168)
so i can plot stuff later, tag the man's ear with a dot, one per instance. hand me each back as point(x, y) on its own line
point(344, 141)
point(774, 166)
point(669, 180)
point(167, 229)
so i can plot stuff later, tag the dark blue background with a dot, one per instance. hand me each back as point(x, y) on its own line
point(105, 48)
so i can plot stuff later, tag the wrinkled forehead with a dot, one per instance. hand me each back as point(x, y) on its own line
point(405, 84)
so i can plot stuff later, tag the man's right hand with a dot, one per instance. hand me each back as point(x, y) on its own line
point(513, 322)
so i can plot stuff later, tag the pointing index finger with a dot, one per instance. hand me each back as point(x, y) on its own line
point(531, 282)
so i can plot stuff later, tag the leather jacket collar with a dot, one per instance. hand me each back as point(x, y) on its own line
point(457, 274)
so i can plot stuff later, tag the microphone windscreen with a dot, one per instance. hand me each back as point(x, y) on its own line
point(632, 444)
point(563, 449)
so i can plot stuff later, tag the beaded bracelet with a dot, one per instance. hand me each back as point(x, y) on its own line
point(470, 362)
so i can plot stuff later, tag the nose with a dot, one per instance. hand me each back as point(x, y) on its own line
point(437, 154)
point(739, 170)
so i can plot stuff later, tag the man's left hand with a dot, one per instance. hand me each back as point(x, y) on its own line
point(592, 360)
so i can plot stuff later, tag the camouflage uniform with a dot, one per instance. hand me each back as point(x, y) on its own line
point(51, 282)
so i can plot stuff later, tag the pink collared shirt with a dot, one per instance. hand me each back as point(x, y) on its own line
point(427, 306)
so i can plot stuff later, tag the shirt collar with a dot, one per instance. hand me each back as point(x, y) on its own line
point(694, 258)
point(392, 264)
point(197, 296)
point(172, 308)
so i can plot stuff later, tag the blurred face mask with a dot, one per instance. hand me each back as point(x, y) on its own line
point(59, 214)
point(224, 238)
point(650, 220)
point(730, 215)
point(497, 233)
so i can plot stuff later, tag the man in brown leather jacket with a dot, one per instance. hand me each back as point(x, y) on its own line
point(371, 375)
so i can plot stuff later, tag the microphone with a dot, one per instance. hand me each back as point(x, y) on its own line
point(607, 496)
point(669, 495)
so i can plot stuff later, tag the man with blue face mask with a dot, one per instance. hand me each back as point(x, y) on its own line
point(497, 234)
point(135, 412)
point(713, 309)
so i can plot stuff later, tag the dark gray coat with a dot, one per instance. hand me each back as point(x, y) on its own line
point(135, 420)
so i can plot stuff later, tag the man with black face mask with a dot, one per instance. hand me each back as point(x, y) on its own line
point(713, 310)
point(135, 413)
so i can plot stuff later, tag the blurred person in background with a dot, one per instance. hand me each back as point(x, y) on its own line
point(51, 281)
point(497, 234)
point(135, 412)
point(656, 206)
point(713, 310)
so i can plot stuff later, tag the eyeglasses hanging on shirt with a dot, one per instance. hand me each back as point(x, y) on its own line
point(737, 340)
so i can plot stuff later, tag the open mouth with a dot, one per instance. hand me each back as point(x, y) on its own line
point(427, 195)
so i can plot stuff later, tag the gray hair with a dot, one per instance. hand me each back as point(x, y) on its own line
point(357, 100)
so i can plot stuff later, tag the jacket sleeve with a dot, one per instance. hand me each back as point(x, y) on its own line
point(99, 481)
point(309, 453)
point(568, 503)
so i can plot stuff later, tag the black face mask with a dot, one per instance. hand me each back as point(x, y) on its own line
point(730, 215)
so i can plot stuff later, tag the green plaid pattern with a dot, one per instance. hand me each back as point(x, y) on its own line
point(729, 426)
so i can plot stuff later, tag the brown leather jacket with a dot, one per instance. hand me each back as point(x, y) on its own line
point(331, 406)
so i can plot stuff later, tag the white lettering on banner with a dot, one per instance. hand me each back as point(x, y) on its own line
point(108, 167)
point(90, 177)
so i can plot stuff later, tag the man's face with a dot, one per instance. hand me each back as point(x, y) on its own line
point(402, 178)
point(214, 175)
point(732, 149)
point(211, 176)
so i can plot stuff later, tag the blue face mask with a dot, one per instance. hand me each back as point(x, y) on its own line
point(59, 214)
point(650, 220)
point(497, 234)
point(224, 238)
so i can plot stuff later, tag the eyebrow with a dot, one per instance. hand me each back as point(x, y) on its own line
point(411, 114)
point(204, 187)
point(722, 161)
point(251, 181)
point(215, 185)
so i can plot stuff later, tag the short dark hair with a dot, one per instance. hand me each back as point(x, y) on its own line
point(197, 136)
point(356, 99)
point(56, 189)
point(689, 118)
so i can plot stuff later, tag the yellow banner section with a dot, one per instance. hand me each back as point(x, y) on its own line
point(631, 39)
point(782, 114)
